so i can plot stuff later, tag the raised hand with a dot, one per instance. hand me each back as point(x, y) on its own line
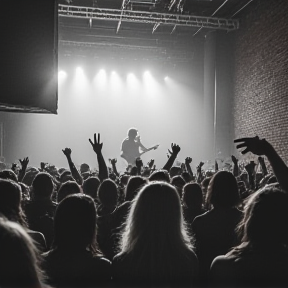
point(151, 163)
point(67, 152)
point(97, 146)
point(139, 162)
point(175, 149)
point(216, 166)
point(113, 161)
point(199, 167)
point(24, 162)
point(253, 144)
point(183, 167)
point(43, 165)
point(188, 160)
point(250, 167)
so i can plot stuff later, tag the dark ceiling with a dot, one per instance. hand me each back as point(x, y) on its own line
point(105, 37)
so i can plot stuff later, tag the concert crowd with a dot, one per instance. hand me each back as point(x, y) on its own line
point(148, 226)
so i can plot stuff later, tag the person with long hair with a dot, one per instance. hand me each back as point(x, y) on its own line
point(74, 259)
point(214, 230)
point(192, 202)
point(19, 265)
point(261, 259)
point(41, 208)
point(155, 248)
point(11, 208)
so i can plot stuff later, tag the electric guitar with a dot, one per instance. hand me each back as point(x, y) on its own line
point(131, 158)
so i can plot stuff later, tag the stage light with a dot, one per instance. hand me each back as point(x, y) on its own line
point(79, 70)
point(115, 82)
point(101, 75)
point(62, 75)
point(166, 78)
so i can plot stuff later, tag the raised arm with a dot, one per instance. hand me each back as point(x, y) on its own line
point(235, 166)
point(24, 164)
point(200, 176)
point(262, 147)
point(188, 161)
point(263, 166)
point(139, 165)
point(250, 168)
point(114, 168)
point(97, 147)
point(173, 154)
point(74, 171)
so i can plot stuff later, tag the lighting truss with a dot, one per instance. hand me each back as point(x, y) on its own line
point(147, 17)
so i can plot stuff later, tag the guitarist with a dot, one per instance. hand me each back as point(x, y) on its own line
point(132, 147)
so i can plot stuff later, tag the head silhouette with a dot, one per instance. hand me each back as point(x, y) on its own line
point(8, 174)
point(108, 193)
point(265, 219)
point(178, 182)
point(68, 188)
point(155, 220)
point(90, 186)
point(42, 186)
point(75, 223)
point(132, 133)
point(18, 265)
point(223, 190)
point(160, 175)
point(10, 201)
point(192, 196)
point(134, 185)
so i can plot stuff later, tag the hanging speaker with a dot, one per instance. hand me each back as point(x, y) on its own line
point(29, 64)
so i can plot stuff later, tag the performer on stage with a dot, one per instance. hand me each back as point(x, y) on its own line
point(132, 148)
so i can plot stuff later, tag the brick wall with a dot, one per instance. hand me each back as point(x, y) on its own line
point(261, 74)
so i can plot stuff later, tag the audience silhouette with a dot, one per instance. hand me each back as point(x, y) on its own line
point(146, 226)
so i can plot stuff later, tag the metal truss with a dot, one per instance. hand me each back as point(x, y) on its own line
point(144, 17)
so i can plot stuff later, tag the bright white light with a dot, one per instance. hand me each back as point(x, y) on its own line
point(147, 73)
point(131, 77)
point(132, 81)
point(79, 70)
point(80, 79)
point(115, 82)
point(62, 75)
point(101, 75)
point(150, 84)
point(100, 79)
point(166, 78)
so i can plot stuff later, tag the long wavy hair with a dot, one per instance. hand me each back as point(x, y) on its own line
point(265, 222)
point(155, 233)
point(223, 191)
point(10, 202)
point(75, 224)
point(19, 265)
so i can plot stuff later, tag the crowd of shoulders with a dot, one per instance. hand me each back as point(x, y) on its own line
point(147, 226)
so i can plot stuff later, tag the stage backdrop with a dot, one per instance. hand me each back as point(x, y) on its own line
point(28, 66)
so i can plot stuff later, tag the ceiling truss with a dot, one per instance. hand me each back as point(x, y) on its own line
point(122, 15)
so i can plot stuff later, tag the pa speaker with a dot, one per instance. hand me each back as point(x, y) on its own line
point(29, 64)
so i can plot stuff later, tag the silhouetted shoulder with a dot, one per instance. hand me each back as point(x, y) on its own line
point(76, 269)
point(253, 270)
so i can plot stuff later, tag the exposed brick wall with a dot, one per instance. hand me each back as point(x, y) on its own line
point(261, 74)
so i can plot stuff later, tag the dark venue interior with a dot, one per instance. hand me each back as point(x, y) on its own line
point(204, 83)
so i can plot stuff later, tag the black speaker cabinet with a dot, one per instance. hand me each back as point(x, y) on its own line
point(28, 53)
